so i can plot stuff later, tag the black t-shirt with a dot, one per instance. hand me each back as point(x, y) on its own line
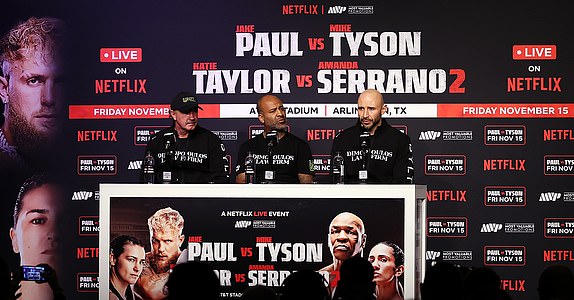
point(199, 158)
point(390, 159)
point(291, 156)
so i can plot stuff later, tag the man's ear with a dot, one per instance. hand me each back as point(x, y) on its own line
point(260, 117)
point(181, 239)
point(4, 89)
point(364, 242)
point(112, 260)
point(385, 109)
point(172, 113)
point(14, 239)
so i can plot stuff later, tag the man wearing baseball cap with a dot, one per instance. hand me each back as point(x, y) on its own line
point(186, 152)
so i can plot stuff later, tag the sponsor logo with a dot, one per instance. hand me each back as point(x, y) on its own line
point(558, 135)
point(336, 10)
point(255, 130)
point(534, 52)
point(242, 223)
point(559, 228)
point(519, 227)
point(448, 164)
point(82, 195)
point(226, 135)
point(135, 165)
point(322, 164)
point(505, 196)
point(558, 255)
point(504, 255)
point(515, 285)
point(97, 165)
point(142, 134)
point(263, 223)
point(361, 10)
point(429, 135)
point(87, 252)
point(302, 9)
point(448, 135)
point(549, 197)
point(432, 255)
point(447, 227)
point(505, 135)
point(544, 84)
point(88, 225)
point(568, 196)
point(105, 86)
point(87, 282)
point(97, 135)
point(457, 255)
point(559, 165)
point(504, 165)
point(116, 55)
point(321, 134)
point(491, 227)
point(446, 195)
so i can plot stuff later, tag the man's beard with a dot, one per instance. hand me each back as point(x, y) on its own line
point(28, 139)
point(161, 266)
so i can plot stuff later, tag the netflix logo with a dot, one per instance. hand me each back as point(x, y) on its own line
point(126, 55)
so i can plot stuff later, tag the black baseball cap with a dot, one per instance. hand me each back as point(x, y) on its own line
point(185, 102)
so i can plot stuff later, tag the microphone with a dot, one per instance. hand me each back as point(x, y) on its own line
point(169, 140)
point(365, 139)
point(271, 138)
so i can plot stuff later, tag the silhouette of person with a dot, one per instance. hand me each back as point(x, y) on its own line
point(193, 280)
point(356, 281)
point(483, 283)
point(304, 285)
point(556, 282)
point(259, 292)
point(443, 281)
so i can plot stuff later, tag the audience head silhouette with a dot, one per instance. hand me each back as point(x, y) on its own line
point(305, 285)
point(193, 280)
point(443, 281)
point(356, 280)
point(259, 292)
point(557, 283)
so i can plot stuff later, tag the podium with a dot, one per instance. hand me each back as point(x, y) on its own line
point(258, 234)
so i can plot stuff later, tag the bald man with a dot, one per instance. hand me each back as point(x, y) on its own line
point(389, 157)
point(346, 239)
point(292, 159)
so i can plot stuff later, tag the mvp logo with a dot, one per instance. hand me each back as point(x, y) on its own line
point(82, 195)
point(549, 196)
point(432, 255)
point(242, 224)
point(491, 227)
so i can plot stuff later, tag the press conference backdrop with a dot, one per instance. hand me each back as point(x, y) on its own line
point(482, 91)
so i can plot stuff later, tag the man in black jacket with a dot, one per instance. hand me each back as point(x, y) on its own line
point(373, 151)
point(187, 152)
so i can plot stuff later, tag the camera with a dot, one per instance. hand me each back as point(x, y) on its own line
point(34, 273)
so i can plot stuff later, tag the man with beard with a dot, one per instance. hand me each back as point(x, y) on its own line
point(347, 238)
point(166, 238)
point(291, 161)
point(187, 152)
point(31, 91)
point(373, 151)
point(36, 234)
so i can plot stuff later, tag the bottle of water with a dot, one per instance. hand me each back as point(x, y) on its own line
point(338, 169)
point(249, 168)
point(149, 168)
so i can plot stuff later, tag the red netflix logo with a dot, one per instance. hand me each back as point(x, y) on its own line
point(534, 52)
point(129, 55)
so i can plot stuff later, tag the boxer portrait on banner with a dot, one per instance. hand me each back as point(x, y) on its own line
point(166, 238)
point(32, 92)
point(388, 263)
point(346, 239)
